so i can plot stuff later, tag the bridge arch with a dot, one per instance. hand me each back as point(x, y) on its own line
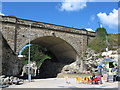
point(65, 54)
point(61, 48)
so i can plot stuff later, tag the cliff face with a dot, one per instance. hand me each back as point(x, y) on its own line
point(90, 62)
point(9, 62)
point(91, 59)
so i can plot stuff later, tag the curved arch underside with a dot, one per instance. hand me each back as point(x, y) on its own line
point(64, 53)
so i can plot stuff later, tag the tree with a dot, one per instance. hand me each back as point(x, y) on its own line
point(37, 54)
point(99, 42)
point(101, 32)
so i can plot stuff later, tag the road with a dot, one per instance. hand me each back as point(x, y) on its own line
point(61, 83)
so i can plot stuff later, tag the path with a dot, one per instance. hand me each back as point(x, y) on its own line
point(61, 83)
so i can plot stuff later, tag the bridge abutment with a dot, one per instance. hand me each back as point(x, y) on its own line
point(9, 64)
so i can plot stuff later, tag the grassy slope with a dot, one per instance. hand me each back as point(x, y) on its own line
point(99, 43)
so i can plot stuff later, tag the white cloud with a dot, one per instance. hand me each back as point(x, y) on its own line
point(1, 14)
point(89, 29)
point(73, 5)
point(111, 20)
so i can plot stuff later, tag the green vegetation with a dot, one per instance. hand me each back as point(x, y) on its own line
point(113, 41)
point(38, 54)
point(99, 42)
point(101, 32)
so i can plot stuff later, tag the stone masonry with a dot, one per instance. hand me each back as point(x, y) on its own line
point(66, 43)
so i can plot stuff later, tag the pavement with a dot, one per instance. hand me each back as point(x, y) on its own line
point(61, 83)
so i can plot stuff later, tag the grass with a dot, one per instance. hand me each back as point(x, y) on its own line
point(99, 43)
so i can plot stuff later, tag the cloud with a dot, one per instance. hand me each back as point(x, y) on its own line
point(89, 29)
point(111, 20)
point(73, 5)
point(1, 14)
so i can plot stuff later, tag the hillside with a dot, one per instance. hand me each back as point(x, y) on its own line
point(99, 42)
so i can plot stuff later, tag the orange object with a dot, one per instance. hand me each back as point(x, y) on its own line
point(87, 80)
point(66, 78)
point(78, 79)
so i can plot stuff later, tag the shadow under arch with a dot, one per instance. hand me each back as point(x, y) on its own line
point(65, 54)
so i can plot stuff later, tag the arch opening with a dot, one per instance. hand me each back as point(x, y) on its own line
point(62, 51)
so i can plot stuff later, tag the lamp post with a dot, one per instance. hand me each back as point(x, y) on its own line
point(29, 74)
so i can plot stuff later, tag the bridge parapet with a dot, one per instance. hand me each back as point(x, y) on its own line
point(11, 19)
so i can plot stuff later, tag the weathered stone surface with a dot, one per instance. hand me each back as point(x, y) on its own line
point(10, 80)
point(18, 33)
point(67, 44)
point(90, 63)
point(9, 60)
point(72, 68)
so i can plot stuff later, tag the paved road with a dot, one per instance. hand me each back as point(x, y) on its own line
point(61, 83)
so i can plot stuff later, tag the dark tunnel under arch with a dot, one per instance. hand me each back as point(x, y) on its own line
point(65, 54)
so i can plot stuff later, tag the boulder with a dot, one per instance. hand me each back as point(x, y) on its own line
point(72, 68)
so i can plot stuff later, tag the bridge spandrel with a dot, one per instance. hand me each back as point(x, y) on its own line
point(43, 25)
point(18, 33)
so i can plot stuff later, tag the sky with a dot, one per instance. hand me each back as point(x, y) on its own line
point(71, 14)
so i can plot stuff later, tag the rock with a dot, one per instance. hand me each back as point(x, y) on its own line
point(2, 76)
point(72, 68)
point(91, 59)
point(1, 81)
point(6, 81)
point(10, 80)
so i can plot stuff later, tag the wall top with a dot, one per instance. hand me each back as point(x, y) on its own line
point(13, 19)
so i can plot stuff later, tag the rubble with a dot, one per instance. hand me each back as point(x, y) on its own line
point(90, 63)
point(7, 81)
point(90, 60)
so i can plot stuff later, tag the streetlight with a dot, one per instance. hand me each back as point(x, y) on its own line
point(29, 74)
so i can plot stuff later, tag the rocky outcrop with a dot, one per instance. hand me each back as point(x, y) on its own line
point(9, 61)
point(72, 68)
point(90, 62)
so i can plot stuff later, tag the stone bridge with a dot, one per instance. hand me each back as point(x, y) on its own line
point(66, 43)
